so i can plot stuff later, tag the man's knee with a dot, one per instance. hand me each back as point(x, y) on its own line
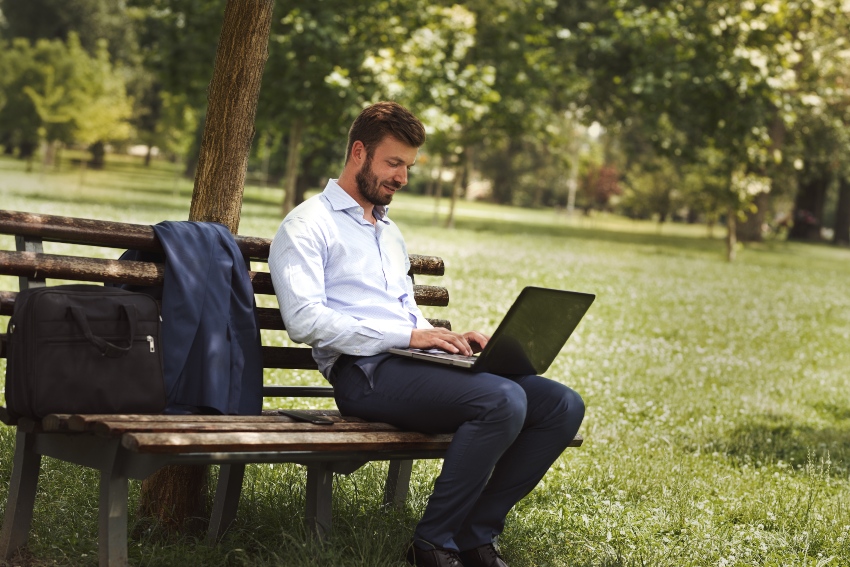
point(570, 412)
point(507, 404)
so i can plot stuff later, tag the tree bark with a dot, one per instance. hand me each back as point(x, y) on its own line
point(460, 181)
point(731, 231)
point(438, 194)
point(175, 495)
point(808, 205)
point(233, 95)
point(293, 153)
point(842, 213)
point(98, 155)
point(456, 187)
point(751, 229)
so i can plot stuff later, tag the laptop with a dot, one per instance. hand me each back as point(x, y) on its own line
point(527, 340)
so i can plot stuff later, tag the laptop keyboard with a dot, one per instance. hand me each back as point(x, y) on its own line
point(451, 356)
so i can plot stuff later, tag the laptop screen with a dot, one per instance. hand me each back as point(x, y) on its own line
point(535, 329)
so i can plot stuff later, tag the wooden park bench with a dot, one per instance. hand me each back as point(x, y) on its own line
point(122, 447)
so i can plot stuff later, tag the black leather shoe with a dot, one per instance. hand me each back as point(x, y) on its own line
point(484, 556)
point(433, 557)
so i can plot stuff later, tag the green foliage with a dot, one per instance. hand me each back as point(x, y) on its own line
point(92, 21)
point(57, 92)
point(506, 88)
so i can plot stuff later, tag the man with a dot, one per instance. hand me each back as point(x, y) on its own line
point(339, 267)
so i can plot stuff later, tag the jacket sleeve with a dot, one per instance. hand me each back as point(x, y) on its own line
point(296, 262)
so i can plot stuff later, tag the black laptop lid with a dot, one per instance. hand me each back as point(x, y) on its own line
point(534, 330)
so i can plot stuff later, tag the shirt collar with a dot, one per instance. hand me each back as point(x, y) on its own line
point(340, 200)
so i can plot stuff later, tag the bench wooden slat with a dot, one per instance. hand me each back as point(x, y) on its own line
point(299, 358)
point(84, 422)
point(269, 317)
point(241, 442)
point(7, 302)
point(32, 264)
point(298, 391)
point(116, 429)
point(141, 237)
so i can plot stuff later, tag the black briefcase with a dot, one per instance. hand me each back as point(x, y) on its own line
point(84, 349)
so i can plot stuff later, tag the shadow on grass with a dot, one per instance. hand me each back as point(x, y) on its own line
point(770, 439)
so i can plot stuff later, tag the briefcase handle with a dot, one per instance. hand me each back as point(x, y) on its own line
point(105, 347)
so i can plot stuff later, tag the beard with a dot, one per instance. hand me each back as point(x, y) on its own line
point(369, 186)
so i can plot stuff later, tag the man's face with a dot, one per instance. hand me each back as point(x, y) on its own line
point(385, 171)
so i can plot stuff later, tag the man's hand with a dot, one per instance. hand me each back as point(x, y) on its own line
point(476, 340)
point(449, 341)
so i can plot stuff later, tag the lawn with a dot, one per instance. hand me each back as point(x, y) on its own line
point(718, 414)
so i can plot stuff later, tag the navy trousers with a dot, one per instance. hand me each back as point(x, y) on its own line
point(507, 433)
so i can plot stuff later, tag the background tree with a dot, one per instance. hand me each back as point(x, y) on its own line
point(177, 43)
point(432, 72)
point(58, 93)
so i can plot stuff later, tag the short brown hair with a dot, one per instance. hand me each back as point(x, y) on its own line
point(384, 119)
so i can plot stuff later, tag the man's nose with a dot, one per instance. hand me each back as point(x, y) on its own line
point(401, 177)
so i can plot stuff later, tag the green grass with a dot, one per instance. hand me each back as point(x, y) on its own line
point(718, 421)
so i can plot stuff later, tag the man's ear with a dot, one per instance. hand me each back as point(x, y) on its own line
point(358, 152)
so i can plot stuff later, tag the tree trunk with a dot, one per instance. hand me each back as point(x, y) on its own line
point(48, 149)
point(505, 178)
point(175, 495)
point(229, 129)
point(750, 230)
point(98, 155)
point(456, 187)
point(461, 180)
point(842, 212)
point(266, 145)
point(438, 194)
point(808, 205)
point(176, 498)
point(434, 181)
point(148, 155)
point(293, 153)
point(731, 231)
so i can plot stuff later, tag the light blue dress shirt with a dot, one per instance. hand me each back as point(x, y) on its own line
point(341, 282)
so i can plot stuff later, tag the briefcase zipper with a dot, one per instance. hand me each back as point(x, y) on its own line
point(118, 339)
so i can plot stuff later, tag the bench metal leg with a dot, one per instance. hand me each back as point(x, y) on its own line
point(319, 499)
point(21, 501)
point(227, 493)
point(398, 483)
point(112, 521)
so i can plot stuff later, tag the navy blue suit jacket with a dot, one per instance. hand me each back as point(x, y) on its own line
point(212, 357)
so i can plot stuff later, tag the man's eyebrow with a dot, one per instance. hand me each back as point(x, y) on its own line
point(401, 160)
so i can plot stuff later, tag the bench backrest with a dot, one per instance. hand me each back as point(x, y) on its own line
point(33, 266)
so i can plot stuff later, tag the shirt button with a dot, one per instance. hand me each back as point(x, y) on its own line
point(357, 351)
